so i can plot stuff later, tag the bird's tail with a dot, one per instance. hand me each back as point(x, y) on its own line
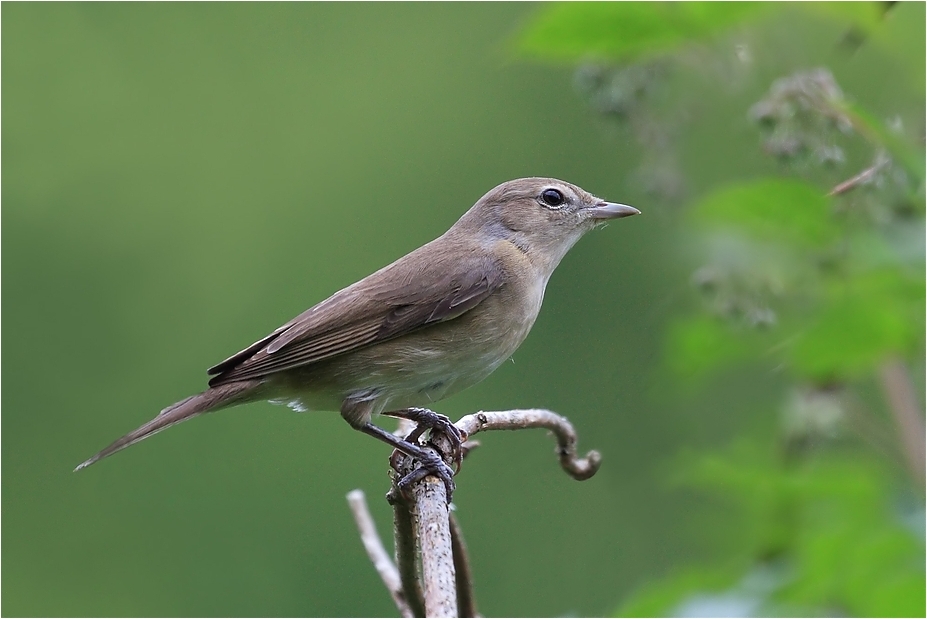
point(210, 400)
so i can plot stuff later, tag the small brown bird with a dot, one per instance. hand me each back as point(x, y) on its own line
point(434, 322)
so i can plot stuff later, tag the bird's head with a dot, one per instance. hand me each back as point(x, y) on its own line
point(544, 217)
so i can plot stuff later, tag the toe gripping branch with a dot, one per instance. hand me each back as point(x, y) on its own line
point(441, 450)
point(432, 575)
point(435, 457)
point(448, 443)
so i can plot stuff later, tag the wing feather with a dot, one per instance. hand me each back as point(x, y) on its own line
point(373, 310)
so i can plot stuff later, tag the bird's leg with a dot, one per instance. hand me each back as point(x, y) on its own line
point(431, 462)
point(430, 420)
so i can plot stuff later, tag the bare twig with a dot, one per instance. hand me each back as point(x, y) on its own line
point(405, 557)
point(431, 556)
point(577, 468)
point(909, 419)
point(433, 537)
point(377, 553)
point(860, 179)
point(466, 601)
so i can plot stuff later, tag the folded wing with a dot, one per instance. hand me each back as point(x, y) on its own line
point(408, 295)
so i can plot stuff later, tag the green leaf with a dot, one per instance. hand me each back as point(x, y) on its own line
point(871, 566)
point(832, 518)
point(623, 30)
point(771, 209)
point(867, 16)
point(657, 599)
point(850, 548)
point(865, 319)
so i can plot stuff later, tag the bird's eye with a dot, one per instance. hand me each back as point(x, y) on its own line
point(552, 197)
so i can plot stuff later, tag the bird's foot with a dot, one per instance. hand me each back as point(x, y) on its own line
point(436, 422)
point(430, 463)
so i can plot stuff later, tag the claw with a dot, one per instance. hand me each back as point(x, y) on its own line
point(431, 461)
point(431, 464)
point(430, 420)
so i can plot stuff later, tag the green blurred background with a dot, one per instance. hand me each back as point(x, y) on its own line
point(179, 179)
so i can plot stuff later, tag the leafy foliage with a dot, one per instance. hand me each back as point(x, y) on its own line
point(637, 30)
point(779, 210)
point(603, 29)
point(818, 271)
point(861, 322)
point(824, 529)
point(844, 287)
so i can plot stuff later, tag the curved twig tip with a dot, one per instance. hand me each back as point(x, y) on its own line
point(581, 469)
point(576, 467)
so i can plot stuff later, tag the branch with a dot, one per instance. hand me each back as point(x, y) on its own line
point(520, 419)
point(405, 557)
point(466, 601)
point(433, 539)
point(427, 535)
point(376, 552)
point(860, 179)
point(909, 420)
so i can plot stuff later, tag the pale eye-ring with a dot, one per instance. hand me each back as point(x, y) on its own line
point(552, 197)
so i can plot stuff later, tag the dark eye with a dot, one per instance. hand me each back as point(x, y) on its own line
point(552, 197)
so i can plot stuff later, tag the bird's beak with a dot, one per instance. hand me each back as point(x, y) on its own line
point(610, 210)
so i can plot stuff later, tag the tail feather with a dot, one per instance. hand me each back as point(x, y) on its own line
point(210, 400)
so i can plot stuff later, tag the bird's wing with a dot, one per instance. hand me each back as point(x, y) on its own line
point(400, 298)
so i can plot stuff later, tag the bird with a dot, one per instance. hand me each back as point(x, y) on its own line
point(422, 328)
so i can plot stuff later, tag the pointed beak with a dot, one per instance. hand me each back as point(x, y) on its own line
point(610, 210)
